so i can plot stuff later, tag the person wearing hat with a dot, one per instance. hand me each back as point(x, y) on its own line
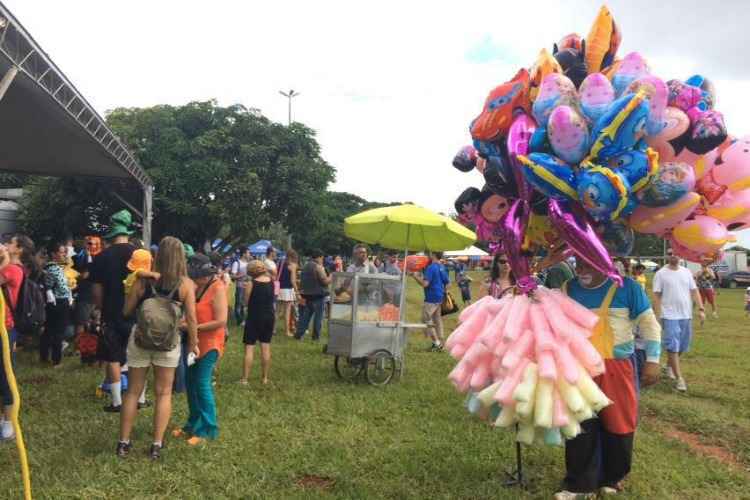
point(260, 319)
point(140, 267)
point(211, 313)
point(108, 271)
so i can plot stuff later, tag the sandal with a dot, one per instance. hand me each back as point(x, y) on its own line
point(195, 441)
point(179, 433)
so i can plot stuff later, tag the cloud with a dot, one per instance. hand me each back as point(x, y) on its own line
point(390, 88)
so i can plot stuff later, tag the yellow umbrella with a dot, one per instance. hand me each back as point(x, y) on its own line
point(408, 227)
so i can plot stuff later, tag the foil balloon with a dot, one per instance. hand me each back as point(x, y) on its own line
point(705, 85)
point(731, 209)
point(670, 142)
point(659, 220)
point(550, 175)
point(556, 89)
point(466, 159)
point(702, 234)
point(708, 132)
point(498, 175)
point(573, 62)
point(568, 134)
point(638, 167)
point(540, 141)
point(571, 41)
point(658, 94)
point(692, 255)
point(540, 232)
point(672, 181)
point(731, 171)
point(596, 94)
point(492, 206)
point(618, 238)
point(500, 106)
point(603, 193)
point(574, 229)
point(632, 67)
point(602, 41)
point(513, 232)
point(467, 205)
point(519, 139)
point(621, 127)
point(545, 65)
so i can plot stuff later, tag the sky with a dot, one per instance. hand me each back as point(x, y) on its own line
point(390, 86)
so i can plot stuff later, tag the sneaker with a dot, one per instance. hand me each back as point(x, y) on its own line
point(681, 385)
point(155, 452)
point(112, 408)
point(569, 495)
point(436, 347)
point(6, 431)
point(715, 315)
point(671, 374)
point(123, 449)
point(145, 404)
point(607, 491)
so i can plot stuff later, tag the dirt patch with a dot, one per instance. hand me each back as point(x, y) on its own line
point(693, 441)
point(315, 482)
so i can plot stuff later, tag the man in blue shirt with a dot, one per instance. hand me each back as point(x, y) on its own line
point(434, 281)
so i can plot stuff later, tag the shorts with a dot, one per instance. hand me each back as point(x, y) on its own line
point(139, 357)
point(82, 313)
point(286, 295)
point(258, 329)
point(113, 344)
point(708, 295)
point(465, 294)
point(676, 334)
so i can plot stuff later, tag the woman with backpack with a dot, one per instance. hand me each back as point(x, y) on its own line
point(59, 302)
point(211, 312)
point(159, 306)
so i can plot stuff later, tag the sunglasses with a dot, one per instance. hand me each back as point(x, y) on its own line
point(502, 261)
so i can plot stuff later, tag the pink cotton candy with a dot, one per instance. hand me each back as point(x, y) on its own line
point(475, 352)
point(504, 394)
point(458, 351)
point(559, 412)
point(473, 308)
point(546, 362)
point(582, 349)
point(467, 332)
point(595, 370)
point(561, 325)
point(493, 329)
point(566, 364)
point(495, 366)
point(517, 318)
point(480, 378)
point(501, 348)
point(575, 311)
point(459, 373)
point(542, 333)
point(518, 350)
point(493, 306)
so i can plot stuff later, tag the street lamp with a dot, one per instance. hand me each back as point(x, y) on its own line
point(289, 95)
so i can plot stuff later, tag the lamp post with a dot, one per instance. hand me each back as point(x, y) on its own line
point(289, 95)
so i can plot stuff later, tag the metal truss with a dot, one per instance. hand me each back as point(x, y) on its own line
point(20, 48)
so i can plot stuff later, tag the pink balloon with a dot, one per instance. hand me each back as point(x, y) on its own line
point(702, 234)
point(519, 136)
point(577, 231)
point(693, 256)
point(731, 208)
point(668, 143)
point(731, 171)
point(513, 231)
point(659, 220)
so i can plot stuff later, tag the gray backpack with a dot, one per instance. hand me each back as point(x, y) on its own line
point(158, 321)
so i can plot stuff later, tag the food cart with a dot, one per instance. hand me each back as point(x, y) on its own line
point(365, 331)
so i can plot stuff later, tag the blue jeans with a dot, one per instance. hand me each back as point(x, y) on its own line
point(313, 309)
point(239, 303)
point(200, 395)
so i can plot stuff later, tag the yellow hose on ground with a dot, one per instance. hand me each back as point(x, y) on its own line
point(11, 377)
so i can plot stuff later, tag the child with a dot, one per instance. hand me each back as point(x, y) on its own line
point(88, 339)
point(747, 302)
point(140, 265)
point(464, 284)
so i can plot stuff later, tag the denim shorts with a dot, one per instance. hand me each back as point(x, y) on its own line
point(676, 335)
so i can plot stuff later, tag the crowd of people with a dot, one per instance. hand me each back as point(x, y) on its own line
point(134, 309)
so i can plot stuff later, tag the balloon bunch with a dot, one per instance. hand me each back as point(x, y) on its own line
point(596, 148)
point(535, 370)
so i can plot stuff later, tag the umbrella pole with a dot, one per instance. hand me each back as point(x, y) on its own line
point(402, 305)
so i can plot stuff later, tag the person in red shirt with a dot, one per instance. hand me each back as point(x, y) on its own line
point(19, 251)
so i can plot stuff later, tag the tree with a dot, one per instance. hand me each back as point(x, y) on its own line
point(648, 245)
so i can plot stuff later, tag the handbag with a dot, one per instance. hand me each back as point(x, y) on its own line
point(449, 305)
point(277, 278)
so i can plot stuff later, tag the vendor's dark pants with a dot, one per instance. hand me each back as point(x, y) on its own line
point(603, 453)
point(58, 319)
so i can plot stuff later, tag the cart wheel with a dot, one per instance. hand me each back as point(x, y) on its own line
point(347, 368)
point(381, 366)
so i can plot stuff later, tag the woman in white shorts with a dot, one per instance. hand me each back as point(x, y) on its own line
point(170, 264)
point(288, 289)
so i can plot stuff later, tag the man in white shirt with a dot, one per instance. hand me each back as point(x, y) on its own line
point(674, 286)
point(238, 273)
point(270, 262)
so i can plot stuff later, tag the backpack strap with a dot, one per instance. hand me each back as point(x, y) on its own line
point(174, 290)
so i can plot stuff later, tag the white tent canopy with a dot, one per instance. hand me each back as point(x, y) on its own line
point(471, 251)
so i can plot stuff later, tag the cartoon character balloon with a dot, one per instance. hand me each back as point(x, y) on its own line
point(501, 104)
point(632, 67)
point(603, 193)
point(556, 90)
point(596, 94)
point(672, 181)
point(621, 127)
point(466, 159)
point(568, 134)
point(731, 171)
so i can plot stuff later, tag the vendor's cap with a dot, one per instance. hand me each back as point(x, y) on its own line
point(199, 266)
point(119, 224)
point(140, 260)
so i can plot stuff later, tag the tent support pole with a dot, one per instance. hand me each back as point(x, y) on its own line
point(8, 78)
point(148, 195)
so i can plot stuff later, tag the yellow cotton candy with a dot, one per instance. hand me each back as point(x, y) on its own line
point(525, 434)
point(485, 395)
point(571, 429)
point(543, 404)
point(524, 391)
point(571, 395)
point(507, 416)
point(591, 392)
point(584, 414)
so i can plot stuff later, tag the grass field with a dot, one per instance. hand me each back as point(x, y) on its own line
point(310, 435)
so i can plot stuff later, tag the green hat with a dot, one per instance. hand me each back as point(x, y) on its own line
point(189, 252)
point(119, 224)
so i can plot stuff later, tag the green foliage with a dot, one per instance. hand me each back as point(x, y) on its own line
point(648, 245)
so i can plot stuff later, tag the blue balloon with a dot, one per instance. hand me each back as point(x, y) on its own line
point(603, 193)
point(621, 127)
point(638, 167)
point(550, 175)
